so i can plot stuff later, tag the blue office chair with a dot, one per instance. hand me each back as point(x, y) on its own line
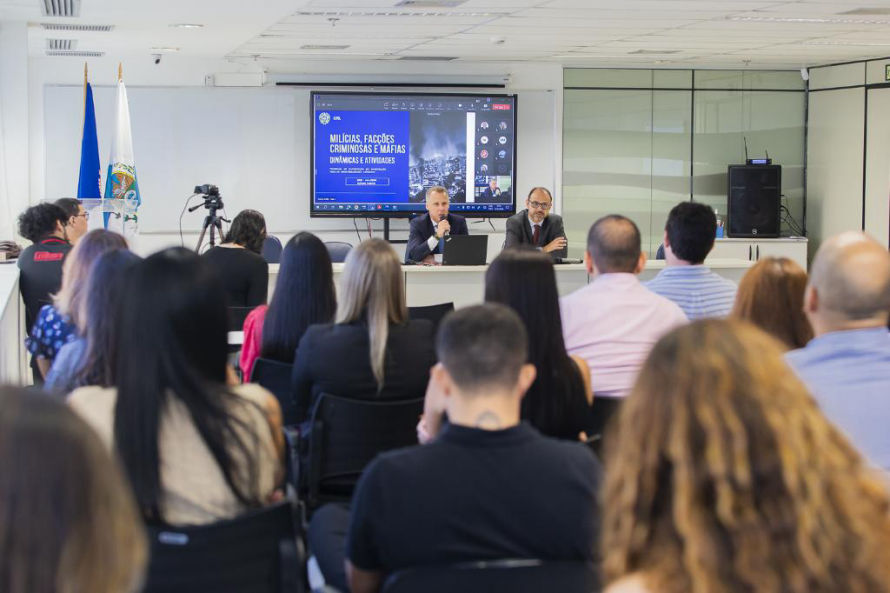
point(338, 250)
point(272, 249)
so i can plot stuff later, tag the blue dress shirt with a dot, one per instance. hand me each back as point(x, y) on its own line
point(848, 373)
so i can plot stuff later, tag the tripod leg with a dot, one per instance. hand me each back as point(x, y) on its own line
point(201, 236)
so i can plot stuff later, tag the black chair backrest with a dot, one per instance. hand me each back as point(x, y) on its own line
point(272, 249)
point(237, 315)
point(346, 434)
point(255, 552)
point(275, 376)
point(499, 576)
point(338, 250)
point(434, 313)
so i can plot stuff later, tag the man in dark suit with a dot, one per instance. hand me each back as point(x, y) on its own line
point(535, 226)
point(491, 192)
point(424, 240)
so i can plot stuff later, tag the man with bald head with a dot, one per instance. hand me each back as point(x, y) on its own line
point(847, 364)
point(536, 227)
point(614, 321)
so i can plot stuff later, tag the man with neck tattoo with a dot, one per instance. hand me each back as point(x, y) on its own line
point(488, 486)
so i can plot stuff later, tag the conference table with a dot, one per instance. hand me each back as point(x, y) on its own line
point(424, 285)
point(465, 285)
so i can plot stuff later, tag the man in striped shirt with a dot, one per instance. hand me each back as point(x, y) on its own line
point(688, 238)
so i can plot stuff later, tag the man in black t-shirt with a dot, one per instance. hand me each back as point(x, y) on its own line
point(41, 262)
point(488, 487)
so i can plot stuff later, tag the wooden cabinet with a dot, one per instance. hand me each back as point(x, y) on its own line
point(753, 249)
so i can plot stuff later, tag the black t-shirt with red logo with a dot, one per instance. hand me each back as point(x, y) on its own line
point(41, 274)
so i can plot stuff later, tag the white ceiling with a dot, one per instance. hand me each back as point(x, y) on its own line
point(669, 33)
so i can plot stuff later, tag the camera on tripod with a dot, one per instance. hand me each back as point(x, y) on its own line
point(212, 199)
point(213, 202)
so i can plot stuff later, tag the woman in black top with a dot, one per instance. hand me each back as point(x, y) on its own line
point(238, 263)
point(373, 351)
point(558, 402)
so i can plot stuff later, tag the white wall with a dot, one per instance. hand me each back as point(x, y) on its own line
point(14, 134)
point(848, 144)
point(55, 134)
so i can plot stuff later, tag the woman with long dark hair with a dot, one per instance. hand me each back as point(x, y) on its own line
point(558, 402)
point(195, 450)
point(237, 260)
point(304, 294)
point(68, 521)
point(86, 360)
point(373, 350)
point(723, 476)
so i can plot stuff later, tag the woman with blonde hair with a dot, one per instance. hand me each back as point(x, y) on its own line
point(723, 476)
point(372, 350)
point(770, 296)
point(68, 521)
point(57, 323)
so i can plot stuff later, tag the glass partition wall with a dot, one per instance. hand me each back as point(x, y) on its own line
point(636, 142)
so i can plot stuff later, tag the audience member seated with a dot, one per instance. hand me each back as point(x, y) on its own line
point(613, 322)
point(304, 294)
point(195, 450)
point(489, 486)
point(68, 521)
point(771, 297)
point(237, 260)
point(56, 324)
point(77, 225)
point(558, 402)
point(847, 364)
point(86, 360)
point(40, 263)
point(373, 351)
point(427, 231)
point(688, 239)
point(723, 475)
point(536, 227)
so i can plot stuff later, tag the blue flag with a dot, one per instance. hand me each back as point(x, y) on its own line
point(88, 181)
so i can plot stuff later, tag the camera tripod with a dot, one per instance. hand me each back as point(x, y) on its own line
point(212, 221)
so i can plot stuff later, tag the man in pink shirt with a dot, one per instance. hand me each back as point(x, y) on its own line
point(614, 321)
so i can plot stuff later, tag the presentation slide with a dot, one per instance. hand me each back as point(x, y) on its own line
point(377, 154)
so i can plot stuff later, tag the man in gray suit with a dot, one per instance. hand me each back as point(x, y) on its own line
point(536, 227)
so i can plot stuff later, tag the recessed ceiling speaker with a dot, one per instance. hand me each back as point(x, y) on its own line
point(753, 200)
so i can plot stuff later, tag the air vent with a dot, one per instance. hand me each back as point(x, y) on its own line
point(428, 58)
point(653, 52)
point(343, 14)
point(69, 8)
point(430, 3)
point(61, 44)
point(76, 54)
point(873, 11)
point(86, 28)
point(328, 47)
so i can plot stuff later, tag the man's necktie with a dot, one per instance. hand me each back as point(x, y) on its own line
point(536, 235)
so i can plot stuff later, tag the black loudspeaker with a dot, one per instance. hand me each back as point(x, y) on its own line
point(753, 195)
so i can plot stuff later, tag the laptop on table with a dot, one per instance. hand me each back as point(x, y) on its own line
point(465, 250)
